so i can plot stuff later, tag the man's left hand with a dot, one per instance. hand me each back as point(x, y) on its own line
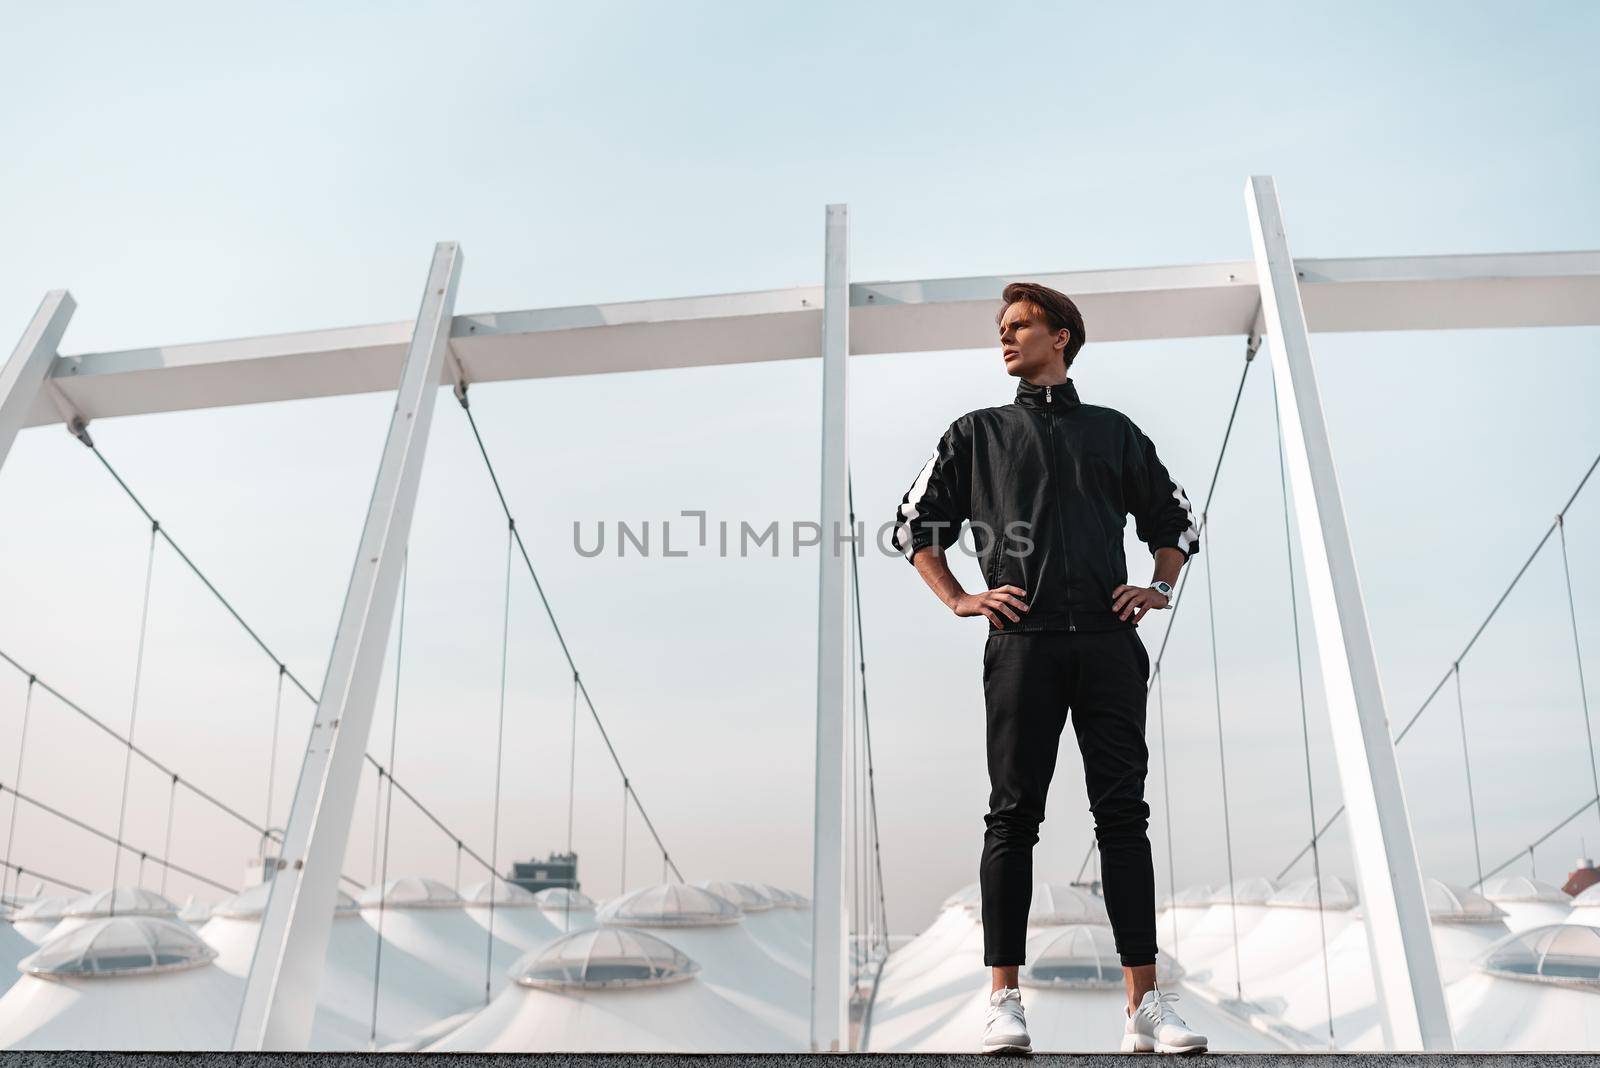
point(1135, 601)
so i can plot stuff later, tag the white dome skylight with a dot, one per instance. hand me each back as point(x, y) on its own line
point(1457, 904)
point(1565, 953)
point(121, 901)
point(669, 905)
point(1520, 888)
point(747, 896)
point(410, 892)
point(1337, 894)
point(564, 899)
point(506, 894)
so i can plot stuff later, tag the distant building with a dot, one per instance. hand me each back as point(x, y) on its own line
point(559, 869)
point(1582, 877)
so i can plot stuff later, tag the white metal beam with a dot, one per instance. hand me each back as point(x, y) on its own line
point(1204, 300)
point(22, 379)
point(830, 924)
point(280, 995)
point(1405, 969)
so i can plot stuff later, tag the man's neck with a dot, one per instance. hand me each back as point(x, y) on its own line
point(1056, 377)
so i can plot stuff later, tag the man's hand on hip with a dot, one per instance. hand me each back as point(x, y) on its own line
point(1002, 600)
point(1135, 601)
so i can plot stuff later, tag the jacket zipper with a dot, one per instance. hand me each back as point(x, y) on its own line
point(1061, 529)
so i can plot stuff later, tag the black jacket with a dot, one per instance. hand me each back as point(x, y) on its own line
point(1047, 483)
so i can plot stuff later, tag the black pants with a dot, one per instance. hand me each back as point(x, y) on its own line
point(1030, 681)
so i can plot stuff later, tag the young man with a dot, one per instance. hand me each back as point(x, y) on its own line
point(1047, 484)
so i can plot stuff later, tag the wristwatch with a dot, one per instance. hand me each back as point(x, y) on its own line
point(1165, 589)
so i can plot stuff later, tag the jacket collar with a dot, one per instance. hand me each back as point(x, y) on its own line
point(1060, 397)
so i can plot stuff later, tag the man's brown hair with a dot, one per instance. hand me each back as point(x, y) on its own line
point(1057, 308)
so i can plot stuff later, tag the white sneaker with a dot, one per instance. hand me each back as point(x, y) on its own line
point(1005, 1030)
point(1155, 1027)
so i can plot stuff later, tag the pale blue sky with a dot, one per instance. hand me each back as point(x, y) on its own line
point(192, 173)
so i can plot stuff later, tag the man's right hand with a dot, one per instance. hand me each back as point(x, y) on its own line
point(993, 603)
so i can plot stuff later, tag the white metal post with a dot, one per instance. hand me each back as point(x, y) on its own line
point(829, 922)
point(24, 374)
point(1405, 970)
point(281, 992)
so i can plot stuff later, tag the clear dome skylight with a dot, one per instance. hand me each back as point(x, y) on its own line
point(1082, 956)
point(119, 945)
point(602, 958)
point(1564, 953)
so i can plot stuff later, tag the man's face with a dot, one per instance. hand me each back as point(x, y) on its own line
point(1027, 345)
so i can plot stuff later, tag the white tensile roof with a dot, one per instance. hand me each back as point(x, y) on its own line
point(428, 920)
point(412, 992)
point(121, 983)
point(1535, 990)
point(678, 1012)
point(935, 990)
